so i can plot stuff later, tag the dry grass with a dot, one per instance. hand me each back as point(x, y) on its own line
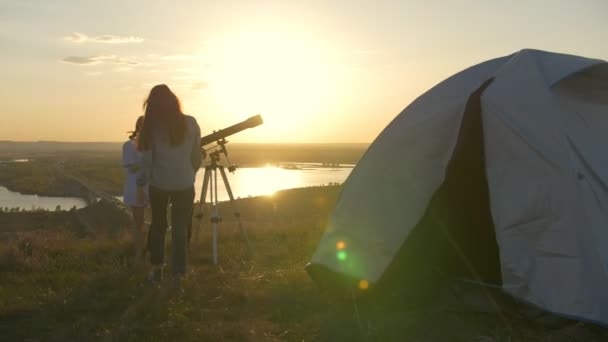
point(83, 289)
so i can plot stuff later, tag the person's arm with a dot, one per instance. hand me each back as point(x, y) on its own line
point(126, 156)
point(145, 170)
point(143, 176)
point(196, 156)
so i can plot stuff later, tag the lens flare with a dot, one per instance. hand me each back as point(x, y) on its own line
point(340, 245)
point(341, 255)
point(363, 284)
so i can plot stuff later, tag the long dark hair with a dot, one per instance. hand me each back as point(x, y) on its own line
point(162, 112)
point(138, 124)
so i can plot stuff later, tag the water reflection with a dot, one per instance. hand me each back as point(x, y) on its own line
point(245, 182)
point(14, 161)
point(10, 199)
point(260, 181)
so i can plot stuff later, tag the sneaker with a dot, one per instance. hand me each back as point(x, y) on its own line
point(176, 283)
point(155, 276)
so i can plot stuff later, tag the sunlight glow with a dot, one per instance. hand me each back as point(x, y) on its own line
point(285, 76)
point(264, 181)
point(340, 245)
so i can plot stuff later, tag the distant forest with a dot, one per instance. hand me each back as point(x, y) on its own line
point(241, 154)
point(52, 165)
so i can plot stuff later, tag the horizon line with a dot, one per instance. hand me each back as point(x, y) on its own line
point(121, 142)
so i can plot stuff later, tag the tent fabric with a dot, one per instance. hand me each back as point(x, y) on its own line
point(544, 118)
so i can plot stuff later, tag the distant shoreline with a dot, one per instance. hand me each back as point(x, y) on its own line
point(52, 142)
point(99, 164)
point(18, 149)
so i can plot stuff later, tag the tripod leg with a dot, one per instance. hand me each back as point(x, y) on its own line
point(215, 217)
point(237, 214)
point(203, 198)
point(206, 177)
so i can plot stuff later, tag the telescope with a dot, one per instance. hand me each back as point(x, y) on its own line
point(210, 180)
point(253, 121)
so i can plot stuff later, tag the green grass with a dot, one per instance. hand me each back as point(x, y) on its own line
point(85, 289)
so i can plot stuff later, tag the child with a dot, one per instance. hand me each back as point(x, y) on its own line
point(131, 161)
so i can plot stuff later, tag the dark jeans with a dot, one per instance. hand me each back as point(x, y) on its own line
point(181, 218)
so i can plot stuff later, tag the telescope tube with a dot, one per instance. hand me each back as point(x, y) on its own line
point(253, 121)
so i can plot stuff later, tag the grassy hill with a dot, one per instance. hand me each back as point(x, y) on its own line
point(68, 286)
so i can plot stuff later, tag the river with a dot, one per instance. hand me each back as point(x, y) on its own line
point(245, 182)
point(11, 199)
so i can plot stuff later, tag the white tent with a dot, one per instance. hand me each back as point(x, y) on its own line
point(542, 148)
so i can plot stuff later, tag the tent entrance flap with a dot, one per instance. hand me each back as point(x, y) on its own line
point(455, 237)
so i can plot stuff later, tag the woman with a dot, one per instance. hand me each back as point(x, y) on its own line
point(170, 143)
point(131, 161)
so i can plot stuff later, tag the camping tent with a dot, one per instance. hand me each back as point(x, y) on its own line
point(507, 161)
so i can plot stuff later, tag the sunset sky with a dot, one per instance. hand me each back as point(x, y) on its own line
point(317, 71)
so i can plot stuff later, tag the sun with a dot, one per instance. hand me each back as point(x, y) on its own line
point(285, 76)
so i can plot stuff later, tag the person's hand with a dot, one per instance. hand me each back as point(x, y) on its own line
point(140, 196)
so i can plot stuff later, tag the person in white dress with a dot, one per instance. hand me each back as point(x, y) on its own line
point(132, 162)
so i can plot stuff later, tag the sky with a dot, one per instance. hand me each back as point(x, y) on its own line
point(318, 71)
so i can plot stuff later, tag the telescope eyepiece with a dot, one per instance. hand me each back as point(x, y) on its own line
point(254, 121)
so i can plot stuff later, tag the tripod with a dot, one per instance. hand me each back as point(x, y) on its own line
point(210, 183)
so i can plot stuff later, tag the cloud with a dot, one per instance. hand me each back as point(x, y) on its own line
point(187, 77)
point(185, 70)
point(81, 60)
point(200, 86)
point(180, 57)
point(92, 60)
point(111, 39)
point(148, 85)
point(123, 69)
point(119, 60)
point(77, 37)
point(369, 52)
